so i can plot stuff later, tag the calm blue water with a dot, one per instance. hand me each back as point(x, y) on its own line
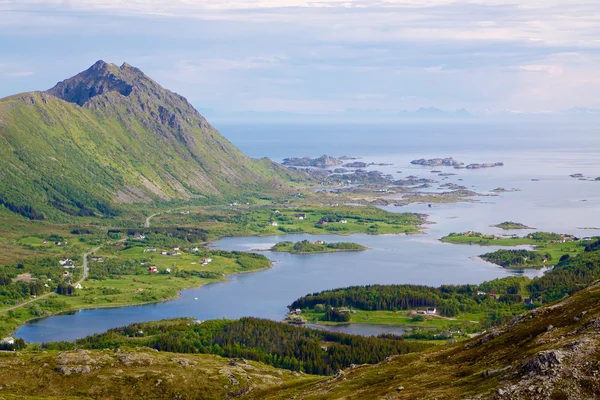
point(555, 203)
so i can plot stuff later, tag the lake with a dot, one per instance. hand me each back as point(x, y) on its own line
point(553, 202)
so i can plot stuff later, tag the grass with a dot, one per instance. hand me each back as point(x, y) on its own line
point(133, 374)
point(556, 249)
point(488, 240)
point(400, 318)
point(458, 371)
point(122, 290)
point(243, 220)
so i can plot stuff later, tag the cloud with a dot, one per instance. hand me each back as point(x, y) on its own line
point(18, 74)
point(321, 54)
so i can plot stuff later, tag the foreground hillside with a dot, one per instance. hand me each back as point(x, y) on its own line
point(111, 135)
point(549, 353)
point(133, 374)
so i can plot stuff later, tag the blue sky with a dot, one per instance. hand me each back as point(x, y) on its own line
point(488, 56)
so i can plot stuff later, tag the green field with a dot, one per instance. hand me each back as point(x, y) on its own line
point(400, 318)
point(244, 220)
point(123, 279)
point(552, 244)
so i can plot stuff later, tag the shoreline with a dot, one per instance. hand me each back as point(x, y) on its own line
point(209, 244)
point(85, 308)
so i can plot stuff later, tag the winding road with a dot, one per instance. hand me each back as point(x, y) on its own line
point(86, 273)
point(147, 224)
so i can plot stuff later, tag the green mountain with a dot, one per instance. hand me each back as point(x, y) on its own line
point(111, 135)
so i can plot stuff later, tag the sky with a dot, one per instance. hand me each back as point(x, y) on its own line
point(490, 57)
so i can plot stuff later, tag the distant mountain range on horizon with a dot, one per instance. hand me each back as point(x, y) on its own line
point(421, 114)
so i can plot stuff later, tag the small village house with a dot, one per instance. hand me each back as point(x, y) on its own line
point(153, 270)
point(8, 340)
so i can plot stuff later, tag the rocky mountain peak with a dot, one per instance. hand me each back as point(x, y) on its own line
point(99, 79)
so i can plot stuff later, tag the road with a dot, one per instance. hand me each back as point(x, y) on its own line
point(86, 269)
point(86, 272)
point(147, 224)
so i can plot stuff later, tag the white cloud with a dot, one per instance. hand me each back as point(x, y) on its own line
point(550, 69)
point(18, 74)
point(328, 54)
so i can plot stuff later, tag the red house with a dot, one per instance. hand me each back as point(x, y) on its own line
point(153, 270)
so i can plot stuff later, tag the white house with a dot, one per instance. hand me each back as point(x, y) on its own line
point(274, 223)
point(343, 221)
point(65, 261)
point(431, 310)
point(78, 286)
point(195, 249)
point(8, 340)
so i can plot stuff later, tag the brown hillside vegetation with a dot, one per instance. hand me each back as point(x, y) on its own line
point(549, 353)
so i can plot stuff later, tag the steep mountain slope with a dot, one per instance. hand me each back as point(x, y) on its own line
point(112, 135)
point(549, 353)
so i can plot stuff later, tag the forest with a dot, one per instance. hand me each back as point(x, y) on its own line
point(306, 246)
point(517, 258)
point(497, 299)
point(449, 300)
point(281, 345)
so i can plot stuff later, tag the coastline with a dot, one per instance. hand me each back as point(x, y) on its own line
point(164, 300)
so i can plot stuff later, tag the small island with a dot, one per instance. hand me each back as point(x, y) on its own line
point(307, 247)
point(510, 225)
point(451, 162)
point(321, 162)
point(436, 162)
point(518, 258)
point(355, 164)
point(504, 190)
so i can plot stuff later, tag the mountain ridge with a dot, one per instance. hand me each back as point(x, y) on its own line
point(111, 135)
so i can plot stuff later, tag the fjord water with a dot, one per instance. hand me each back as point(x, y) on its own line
point(556, 202)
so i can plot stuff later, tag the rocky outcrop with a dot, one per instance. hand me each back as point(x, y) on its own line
point(356, 164)
point(321, 162)
point(436, 162)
